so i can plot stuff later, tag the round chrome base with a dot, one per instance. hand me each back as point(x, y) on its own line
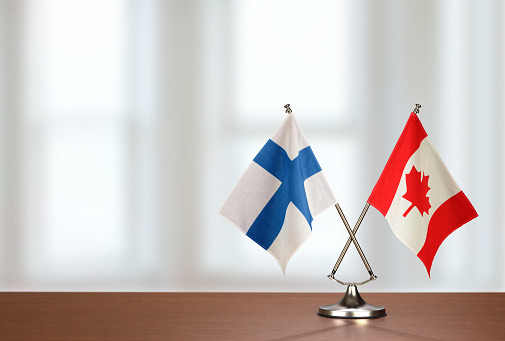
point(352, 306)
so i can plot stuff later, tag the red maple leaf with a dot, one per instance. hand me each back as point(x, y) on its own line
point(417, 188)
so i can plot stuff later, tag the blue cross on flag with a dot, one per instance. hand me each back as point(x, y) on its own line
point(280, 193)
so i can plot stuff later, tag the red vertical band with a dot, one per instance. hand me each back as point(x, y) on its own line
point(451, 215)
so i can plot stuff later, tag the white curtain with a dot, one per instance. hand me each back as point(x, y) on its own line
point(126, 123)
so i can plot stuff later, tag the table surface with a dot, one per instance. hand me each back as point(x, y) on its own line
point(246, 316)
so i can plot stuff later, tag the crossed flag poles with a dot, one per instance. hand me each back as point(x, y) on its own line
point(352, 238)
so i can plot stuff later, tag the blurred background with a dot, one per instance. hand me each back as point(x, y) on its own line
point(124, 124)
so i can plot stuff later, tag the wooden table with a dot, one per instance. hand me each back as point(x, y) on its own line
point(246, 316)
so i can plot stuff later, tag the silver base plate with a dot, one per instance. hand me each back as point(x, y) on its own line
point(352, 306)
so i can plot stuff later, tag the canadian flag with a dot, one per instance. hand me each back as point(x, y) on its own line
point(418, 196)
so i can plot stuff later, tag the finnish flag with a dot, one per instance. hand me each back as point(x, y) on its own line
point(280, 193)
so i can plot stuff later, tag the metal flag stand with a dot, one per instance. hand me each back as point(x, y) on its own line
point(352, 305)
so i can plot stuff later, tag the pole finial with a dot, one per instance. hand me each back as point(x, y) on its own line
point(416, 110)
point(288, 109)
